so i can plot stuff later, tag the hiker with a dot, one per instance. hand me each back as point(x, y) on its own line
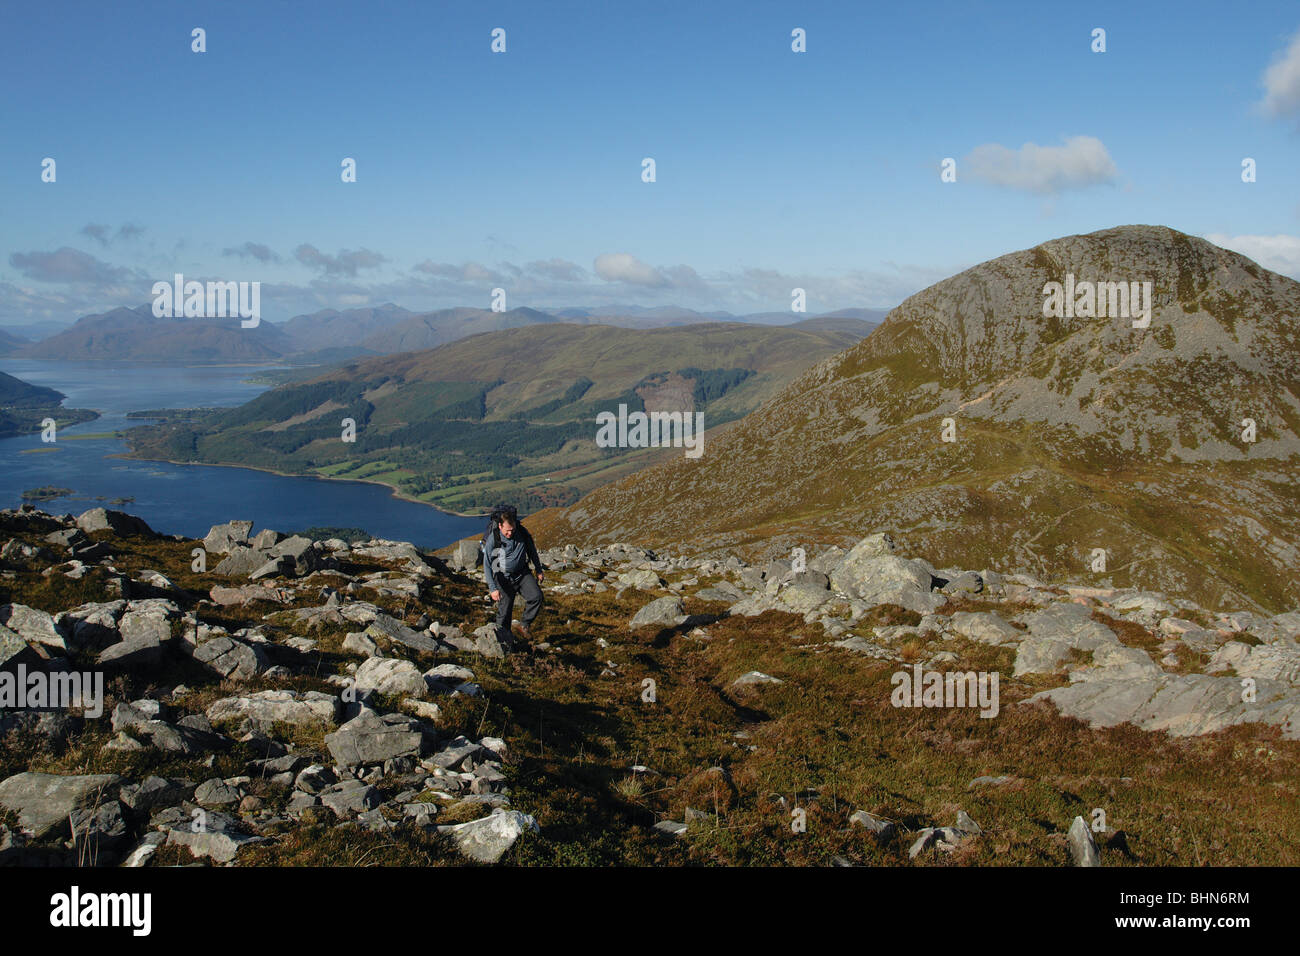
point(506, 551)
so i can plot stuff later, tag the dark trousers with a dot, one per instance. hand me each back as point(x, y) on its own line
point(532, 593)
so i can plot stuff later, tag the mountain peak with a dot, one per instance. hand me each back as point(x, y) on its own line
point(984, 428)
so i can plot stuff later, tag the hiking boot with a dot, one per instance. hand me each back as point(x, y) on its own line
point(521, 628)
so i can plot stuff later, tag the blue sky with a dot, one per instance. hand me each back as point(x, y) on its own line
point(522, 170)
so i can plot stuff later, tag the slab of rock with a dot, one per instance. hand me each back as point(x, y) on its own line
point(215, 793)
point(32, 625)
point(1083, 849)
point(119, 522)
point(91, 626)
point(145, 629)
point(642, 580)
point(391, 677)
point(672, 828)
point(487, 840)
point(830, 559)
point(315, 779)
point(212, 840)
point(804, 595)
point(1053, 632)
point(350, 797)
point(985, 627)
point(662, 612)
point(1117, 662)
point(465, 554)
point(153, 792)
point(232, 597)
point(44, 801)
point(882, 829)
point(240, 562)
point(129, 716)
point(231, 659)
point(14, 650)
point(370, 738)
point(755, 605)
point(492, 641)
point(453, 754)
point(180, 739)
point(99, 831)
point(886, 579)
point(968, 582)
point(755, 677)
point(268, 707)
point(1143, 607)
point(1184, 705)
point(394, 551)
point(449, 673)
point(147, 847)
point(383, 625)
point(863, 646)
point(223, 538)
point(358, 642)
point(1280, 661)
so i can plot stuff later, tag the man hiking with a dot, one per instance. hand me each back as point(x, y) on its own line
point(507, 550)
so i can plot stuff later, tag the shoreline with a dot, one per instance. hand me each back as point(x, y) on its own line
point(396, 493)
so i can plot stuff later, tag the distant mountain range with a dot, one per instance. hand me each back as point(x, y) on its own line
point(11, 343)
point(331, 336)
point(137, 335)
point(1162, 456)
point(509, 413)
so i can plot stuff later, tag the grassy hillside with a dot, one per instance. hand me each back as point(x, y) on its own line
point(598, 765)
point(1070, 435)
point(24, 406)
point(509, 414)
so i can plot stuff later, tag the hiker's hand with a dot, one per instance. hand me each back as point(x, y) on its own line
point(541, 576)
point(496, 595)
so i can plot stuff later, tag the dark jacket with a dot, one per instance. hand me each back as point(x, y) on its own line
point(508, 557)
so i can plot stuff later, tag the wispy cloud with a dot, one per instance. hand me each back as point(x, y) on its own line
point(346, 263)
point(1281, 253)
point(1282, 82)
point(105, 236)
point(252, 250)
point(1083, 161)
point(69, 265)
point(561, 270)
point(465, 272)
point(624, 267)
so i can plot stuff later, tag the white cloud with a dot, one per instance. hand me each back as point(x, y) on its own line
point(1082, 161)
point(1282, 82)
point(1281, 253)
point(562, 270)
point(346, 263)
point(621, 267)
point(467, 272)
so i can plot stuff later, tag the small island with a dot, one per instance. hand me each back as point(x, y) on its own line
point(45, 493)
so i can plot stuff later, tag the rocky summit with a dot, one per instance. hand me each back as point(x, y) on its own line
point(989, 423)
point(269, 699)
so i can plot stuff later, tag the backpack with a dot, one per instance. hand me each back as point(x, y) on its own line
point(493, 535)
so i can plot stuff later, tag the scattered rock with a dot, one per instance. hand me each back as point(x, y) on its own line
point(1082, 847)
point(119, 522)
point(369, 738)
point(44, 801)
point(487, 840)
point(664, 612)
